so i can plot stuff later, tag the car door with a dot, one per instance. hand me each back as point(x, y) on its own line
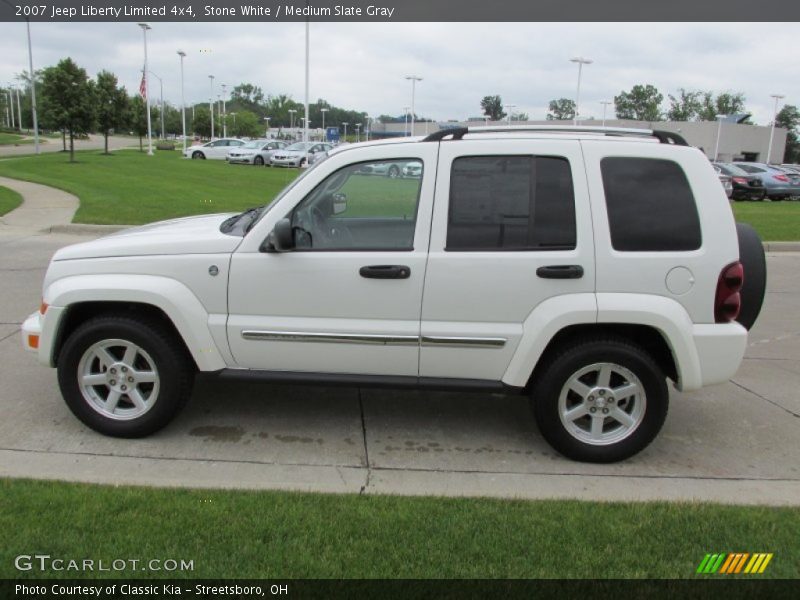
point(347, 299)
point(511, 230)
point(218, 149)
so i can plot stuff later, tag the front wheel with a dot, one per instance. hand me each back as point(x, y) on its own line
point(198, 155)
point(258, 161)
point(123, 376)
point(394, 172)
point(600, 400)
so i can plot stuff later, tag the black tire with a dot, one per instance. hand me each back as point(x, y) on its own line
point(198, 155)
point(174, 367)
point(258, 161)
point(582, 353)
point(761, 197)
point(393, 172)
point(754, 261)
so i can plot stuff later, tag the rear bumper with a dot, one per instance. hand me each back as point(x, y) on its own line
point(720, 350)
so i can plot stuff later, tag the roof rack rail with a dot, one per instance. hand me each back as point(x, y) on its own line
point(664, 137)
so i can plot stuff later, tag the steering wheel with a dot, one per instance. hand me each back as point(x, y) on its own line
point(335, 235)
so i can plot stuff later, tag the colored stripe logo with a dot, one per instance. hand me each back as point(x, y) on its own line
point(733, 563)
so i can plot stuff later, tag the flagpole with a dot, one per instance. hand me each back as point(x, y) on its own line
point(145, 27)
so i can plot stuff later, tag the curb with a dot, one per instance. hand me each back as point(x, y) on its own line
point(87, 228)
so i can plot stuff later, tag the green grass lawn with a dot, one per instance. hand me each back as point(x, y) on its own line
point(9, 200)
point(129, 187)
point(293, 535)
point(11, 139)
point(774, 221)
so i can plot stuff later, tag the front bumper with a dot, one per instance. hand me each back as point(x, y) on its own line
point(292, 161)
point(241, 160)
point(39, 333)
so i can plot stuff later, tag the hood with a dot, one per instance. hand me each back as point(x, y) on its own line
point(189, 235)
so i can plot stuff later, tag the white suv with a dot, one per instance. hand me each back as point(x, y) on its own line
point(582, 266)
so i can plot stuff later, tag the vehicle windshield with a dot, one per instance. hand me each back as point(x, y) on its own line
point(301, 146)
point(254, 144)
point(729, 169)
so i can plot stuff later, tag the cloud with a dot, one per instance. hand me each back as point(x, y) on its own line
point(362, 65)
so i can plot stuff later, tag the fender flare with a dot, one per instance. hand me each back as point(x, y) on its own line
point(181, 306)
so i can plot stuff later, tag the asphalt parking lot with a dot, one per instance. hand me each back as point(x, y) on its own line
point(737, 442)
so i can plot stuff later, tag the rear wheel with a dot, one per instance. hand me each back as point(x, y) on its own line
point(198, 155)
point(600, 400)
point(394, 172)
point(124, 377)
point(259, 161)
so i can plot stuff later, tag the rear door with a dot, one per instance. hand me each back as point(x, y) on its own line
point(511, 221)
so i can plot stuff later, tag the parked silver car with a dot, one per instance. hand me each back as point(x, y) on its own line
point(256, 152)
point(297, 154)
point(779, 183)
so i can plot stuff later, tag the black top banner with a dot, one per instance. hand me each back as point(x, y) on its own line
point(401, 10)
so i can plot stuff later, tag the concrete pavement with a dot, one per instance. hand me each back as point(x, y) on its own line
point(43, 207)
point(47, 145)
point(737, 442)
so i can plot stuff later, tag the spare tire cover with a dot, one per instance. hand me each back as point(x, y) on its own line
point(753, 259)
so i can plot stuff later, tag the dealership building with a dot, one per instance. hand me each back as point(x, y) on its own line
point(736, 141)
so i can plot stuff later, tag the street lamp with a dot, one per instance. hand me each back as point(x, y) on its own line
point(266, 131)
point(358, 132)
point(581, 61)
point(719, 132)
point(33, 90)
point(605, 104)
point(161, 110)
point(224, 113)
point(345, 130)
point(211, 104)
point(772, 129)
point(413, 79)
point(405, 126)
point(145, 28)
point(305, 127)
point(291, 119)
point(510, 108)
point(9, 94)
point(323, 111)
point(182, 54)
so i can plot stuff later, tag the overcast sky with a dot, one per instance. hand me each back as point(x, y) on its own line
point(362, 65)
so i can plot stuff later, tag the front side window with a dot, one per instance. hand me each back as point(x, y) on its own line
point(510, 203)
point(351, 210)
point(650, 205)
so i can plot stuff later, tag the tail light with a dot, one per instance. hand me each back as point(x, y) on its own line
point(740, 180)
point(728, 300)
point(783, 178)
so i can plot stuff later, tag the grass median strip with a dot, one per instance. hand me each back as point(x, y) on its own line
point(129, 187)
point(300, 535)
point(774, 221)
point(9, 200)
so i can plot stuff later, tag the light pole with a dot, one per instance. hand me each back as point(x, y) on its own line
point(161, 109)
point(211, 104)
point(33, 90)
point(9, 95)
point(233, 114)
point(719, 132)
point(19, 111)
point(305, 126)
point(510, 108)
point(605, 104)
point(224, 113)
point(772, 129)
point(145, 28)
point(581, 61)
point(345, 130)
point(291, 120)
point(182, 54)
point(405, 126)
point(323, 111)
point(358, 132)
point(413, 79)
point(266, 131)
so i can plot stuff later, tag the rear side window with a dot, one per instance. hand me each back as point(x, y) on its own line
point(511, 203)
point(650, 205)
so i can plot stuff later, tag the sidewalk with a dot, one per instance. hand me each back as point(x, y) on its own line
point(42, 208)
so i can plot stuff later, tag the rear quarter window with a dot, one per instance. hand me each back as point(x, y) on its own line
point(650, 205)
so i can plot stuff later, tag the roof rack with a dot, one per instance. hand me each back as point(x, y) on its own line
point(457, 133)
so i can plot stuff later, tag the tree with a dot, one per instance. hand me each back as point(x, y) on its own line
point(112, 104)
point(727, 103)
point(202, 121)
point(520, 116)
point(789, 119)
point(642, 103)
point(245, 124)
point(68, 100)
point(562, 109)
point(137, 118)
point(685, 107)
point(493, 107)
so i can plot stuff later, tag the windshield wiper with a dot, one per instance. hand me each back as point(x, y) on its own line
point(231, 222)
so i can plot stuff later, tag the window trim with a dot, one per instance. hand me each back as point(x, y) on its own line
point(370, 249)
point(553, 248)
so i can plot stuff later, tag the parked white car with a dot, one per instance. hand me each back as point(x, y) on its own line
point(584, 267)
point(216, 149)
point(256, 152)
point(297, 154)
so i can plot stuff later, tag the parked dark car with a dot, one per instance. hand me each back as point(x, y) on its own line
point(778, 182)
point(745, 185)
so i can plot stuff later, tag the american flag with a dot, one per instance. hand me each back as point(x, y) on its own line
point(143, 88)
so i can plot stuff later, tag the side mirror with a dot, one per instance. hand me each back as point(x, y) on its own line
point(339, 203)
point(281, 239)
